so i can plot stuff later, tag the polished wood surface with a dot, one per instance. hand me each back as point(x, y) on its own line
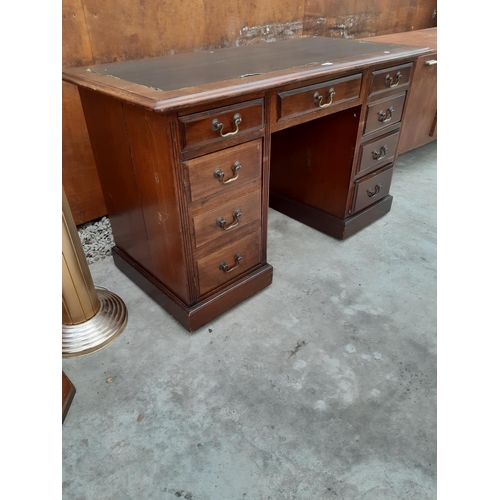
point(304, 59)
point(97, 33)
point(384, 112)
point(306, 99)
point(180, 166)
point(420, 125)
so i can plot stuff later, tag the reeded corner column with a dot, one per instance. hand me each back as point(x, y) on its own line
point(92, 317)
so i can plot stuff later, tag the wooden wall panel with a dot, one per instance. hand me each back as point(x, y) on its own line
point(136, 29)
point(98, 32)
point(364, 18)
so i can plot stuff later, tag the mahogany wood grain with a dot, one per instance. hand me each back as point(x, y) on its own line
point(372, 188)
point(312, 162)
point(110, 144)
point(340, 228)
point(207, 229)
point(377, 153)
point(210, 276)
point(203, 188)
point(391, 107)
point(195, 316)
point(389, 78)
point(79, 175)
point(197, 128)
point(419, 126)
point(154, 170)
point(301, 101)
point(276, 64)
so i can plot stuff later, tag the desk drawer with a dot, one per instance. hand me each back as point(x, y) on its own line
point(229, 262)
point(377, 153)
point(390, 78)
point(226, 173)
point(217, 125)
point(315, 97)
point(226, 219)
point(372, 188)
point(384, 112)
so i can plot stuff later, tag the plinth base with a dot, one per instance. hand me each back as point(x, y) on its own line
point(98, 331)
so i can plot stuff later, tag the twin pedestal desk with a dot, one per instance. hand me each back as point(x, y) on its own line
point(192, 149)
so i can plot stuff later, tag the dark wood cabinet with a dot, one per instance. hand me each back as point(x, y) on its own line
point(192, 149)
point(420, 125)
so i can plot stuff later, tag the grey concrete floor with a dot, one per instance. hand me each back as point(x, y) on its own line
point(321, 386)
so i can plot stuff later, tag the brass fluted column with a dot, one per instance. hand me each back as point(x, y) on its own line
point(79, 296)
point(92, 317)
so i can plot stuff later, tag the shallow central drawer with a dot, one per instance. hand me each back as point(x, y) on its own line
point(227, 218)
point(230, 261)
point(320, 96)
point(226, 173)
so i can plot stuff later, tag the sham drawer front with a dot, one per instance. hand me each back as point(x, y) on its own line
point(377, 153)
point(229, 262)
point(384, 112)
point(372, 188)
point(317, 97)
point(390, 78)
point(217, 125)
point(227, 218)
point(226, 173)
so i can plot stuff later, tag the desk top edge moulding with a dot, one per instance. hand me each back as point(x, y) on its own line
point(192, 150)
point(171, 82)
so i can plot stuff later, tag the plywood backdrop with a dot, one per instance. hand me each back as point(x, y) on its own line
point(96, 32)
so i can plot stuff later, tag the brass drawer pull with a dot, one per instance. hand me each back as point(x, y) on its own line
point(217, 125)
point(221, 222)
point(317, 98)
point(223, 265)
point(219, 174)
point(373, 192)
point(385, 116)
point(390, 82)
point(378, 155)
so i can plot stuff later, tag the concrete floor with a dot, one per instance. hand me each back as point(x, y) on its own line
point(322, 386)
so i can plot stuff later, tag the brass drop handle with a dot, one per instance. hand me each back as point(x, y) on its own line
point(219, 174)
point(221, 222)
point(390, 82)
point(223, 265)
point(373, 192)
point(385, 116)
point(378, 155)
point(317, 98)
point(218, 126)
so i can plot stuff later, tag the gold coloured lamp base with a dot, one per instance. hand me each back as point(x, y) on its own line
point(98, 331)
point(92, 317)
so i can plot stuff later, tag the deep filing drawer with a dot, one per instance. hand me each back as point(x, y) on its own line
point(372, 188)
point(384, 112)
point(216, 125)
point(321, 96)
point(230, 172)
point(377, 153)
point(390, 78)
point(230, 261)
point(227, 218)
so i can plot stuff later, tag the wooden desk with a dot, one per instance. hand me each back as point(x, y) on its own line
point(191, 149)
point(420, 124)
